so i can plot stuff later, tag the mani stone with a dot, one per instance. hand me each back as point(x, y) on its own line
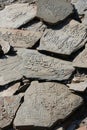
point(53, 11)
point(33, 65)
point(46, 103)
point(80, 5)
point(15, 15)
point(81, 60)
point(8, 109)
point(39, 66)
point(20, 38)
point(66, 40)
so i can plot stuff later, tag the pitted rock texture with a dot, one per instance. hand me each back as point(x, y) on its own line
point(81, 60)
point(16, 15)
point(53, 11)
point(33, 65)
point(20, 38)
point(39, 66)
point(8, 109)
point(46, 103)
point(64, 40)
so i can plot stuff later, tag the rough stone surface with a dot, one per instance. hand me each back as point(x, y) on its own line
point(39, 66)
point(81, 60)
point(32, 64)
point(5, 46)
point(80, 5)
point(8, 109)
point(47, 103)
point(17, 15)
point(66, 40)
point(81, 86)
point(84, 21)
point(53, 11)
point(19, 38)
point(10, 69)
point(9, 91)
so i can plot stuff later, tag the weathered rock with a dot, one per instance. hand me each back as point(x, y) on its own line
point(10, 91)
point(8, 109)
point(39, 66)
point(81, 87)
point(10, 69)
point(80, 5)
point(53, 11)
point(65, 40)
point(5, 46)
point(47, 103)
point(19, 38)
point(81, 60)
point(35, 26)
point(33, 65)
point(84, 21)
point(17, 15)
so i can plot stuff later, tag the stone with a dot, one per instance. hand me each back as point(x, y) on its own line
point(80, 5)
point(10, 69)
point(82, 128)
point(33, 65)
point(66, 40)
point(84, 20)
point(42, 67)
point(10, 91)
point(53, 11)
point(17, 15)
point(19, 38)
point(35, 26)
point(81, 60)
point(5, 46)
point(80, 87)
point(8, 109)
point(46, 103)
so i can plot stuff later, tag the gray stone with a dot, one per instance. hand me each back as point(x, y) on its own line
point(81, 60)
point(5, 46)
point(66, 40)
point(32, 64)
point(8, 109)
point(15, 15)
point(84, 20)
point(46, 103)
point(19, 38)
point(80, 87)
point(10, 91)
point(80, 5)
point(39, 66)
point(53, 11)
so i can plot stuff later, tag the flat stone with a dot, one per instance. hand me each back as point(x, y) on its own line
point(82, 128)
point(66, 40)
point(8, 109)
point(10, 91)
point(80, 5)
point(16, 15)
point(81, 60)
point(44, 104)
point(10, 69)
point(42, 67)
point(53, 11)
point(81, 86)
point(33, 65)
point(19, 38)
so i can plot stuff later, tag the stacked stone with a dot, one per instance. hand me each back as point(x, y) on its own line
point(41, 54)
